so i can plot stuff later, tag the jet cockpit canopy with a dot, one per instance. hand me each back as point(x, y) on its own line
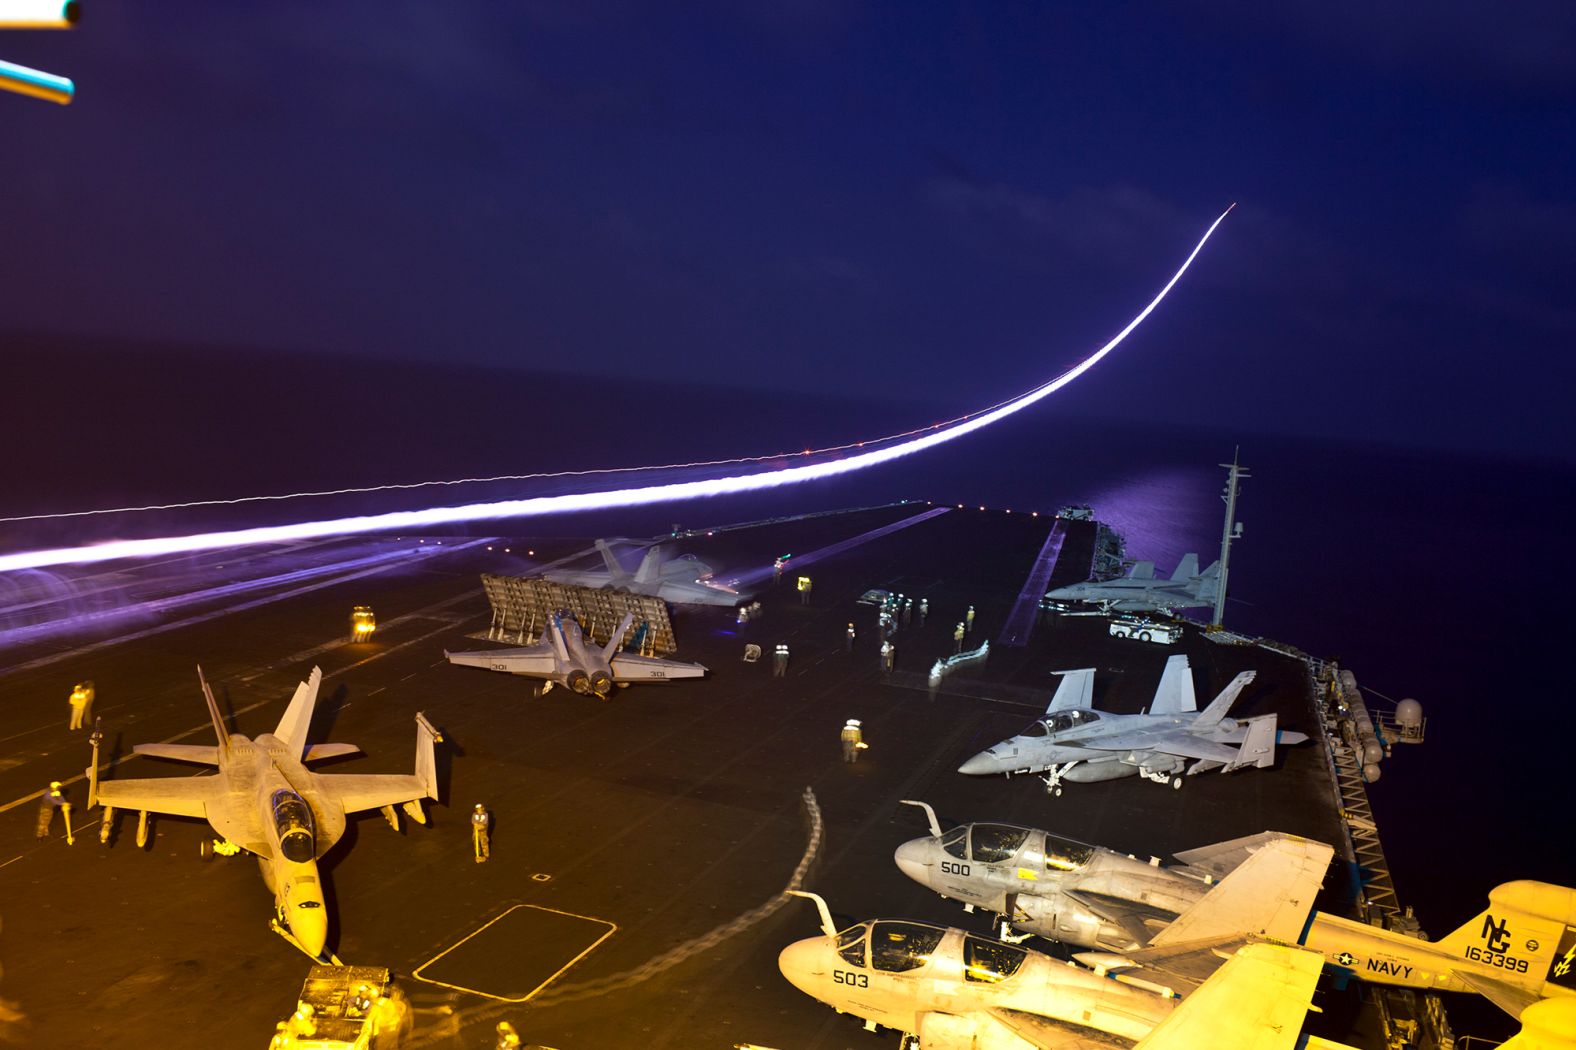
point(293, 821)
point(1061, 721)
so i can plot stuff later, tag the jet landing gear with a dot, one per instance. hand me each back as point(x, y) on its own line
point(1053, 778)
point(210, 848)
point(1174, 779)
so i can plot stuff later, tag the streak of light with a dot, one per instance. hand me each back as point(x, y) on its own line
point(923, 439)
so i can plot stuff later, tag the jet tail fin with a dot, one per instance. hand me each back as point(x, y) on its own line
point(1210, 717)
point(650, 570)
point(213, 712)
point(617, 640)
point(1186, 569)
point(1258, 744)
point(616, 572)
point(1074, 692)
point(297, 720)
point(1175, 692)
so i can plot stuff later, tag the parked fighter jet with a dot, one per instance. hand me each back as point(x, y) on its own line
point(1520, 949)
point(951, 988)
point(266, 801)
point(1079, 745)
point(1063, 889)
point(684, 580)
point(563, 657)
point(1141, 591)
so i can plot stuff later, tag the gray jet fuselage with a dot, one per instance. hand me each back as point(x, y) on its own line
point(1034, 880)
point(955, 989)
point(1057, 740)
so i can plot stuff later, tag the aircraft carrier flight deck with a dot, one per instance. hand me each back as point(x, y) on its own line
point(640, 844)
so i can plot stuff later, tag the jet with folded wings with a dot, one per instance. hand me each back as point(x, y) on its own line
point(1077, 744)
point(265, 800)
point(564, 657)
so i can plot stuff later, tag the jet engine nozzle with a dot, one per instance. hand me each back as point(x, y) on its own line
point(601, 683)
point(579, 682)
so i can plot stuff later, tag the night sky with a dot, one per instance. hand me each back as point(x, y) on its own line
point(942, 203)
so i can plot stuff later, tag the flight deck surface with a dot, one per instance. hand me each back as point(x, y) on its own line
point(662, 823)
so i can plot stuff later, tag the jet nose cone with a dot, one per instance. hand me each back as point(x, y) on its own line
point(310, 926)
point(980, 764)
point(913, 860)
point(802, 962)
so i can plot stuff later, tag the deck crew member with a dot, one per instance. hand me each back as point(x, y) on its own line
point(968, 620)
point(957, 638)
point(81, 702)
point(850, 637)
point(908, 611)
point(777, 569)
point(804, 590)
point(508, 1038)
point(853, 740)
point(924, 610)
point(780, 662)
point(888, 655)
point(480, 821)
point(54, 799)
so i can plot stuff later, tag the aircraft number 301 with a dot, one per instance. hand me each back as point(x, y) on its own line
point(1496, 959)
point(949, 868)
point(853, 980)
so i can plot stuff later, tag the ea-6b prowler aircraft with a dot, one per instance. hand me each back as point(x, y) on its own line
point(1517, 951)
point(685, 580)
point(948, 988)
point(1173, 738)
point(1062, 889)
point(1142, 591)
point(266, 801)
point(563, 657)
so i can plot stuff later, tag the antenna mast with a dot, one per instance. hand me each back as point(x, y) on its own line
point(1235, 472)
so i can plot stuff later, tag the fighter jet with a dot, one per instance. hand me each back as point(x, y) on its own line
point(1519, 950)
point(1062, 889)
point(1141, 591)
point(266, 801)
point(1079, 745)
point(563, 657)
point(949, 988)
point(684, 580)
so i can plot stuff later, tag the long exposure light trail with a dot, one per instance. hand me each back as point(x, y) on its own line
point(915, 442)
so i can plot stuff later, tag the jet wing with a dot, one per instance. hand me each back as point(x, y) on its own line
point(1221, 858)
point(1047, 1033)
point(358, 792)
point(1129, 915)
point(1172, 741)
point(627, 667)
point(1269, 895)
point(1256, 1001)
point(176, 796)
point(538, 661)
point(1508, 998)
point(205, 754)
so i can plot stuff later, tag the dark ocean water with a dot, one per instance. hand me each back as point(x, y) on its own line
point(1430, 575)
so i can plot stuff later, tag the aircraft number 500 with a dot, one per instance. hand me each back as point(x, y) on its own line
point(949, 868)
point(853, 980)
point(1497, 959)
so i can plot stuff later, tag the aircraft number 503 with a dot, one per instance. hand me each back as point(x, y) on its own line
point(949, 868)
point(853, 980)
point(1497, 959)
